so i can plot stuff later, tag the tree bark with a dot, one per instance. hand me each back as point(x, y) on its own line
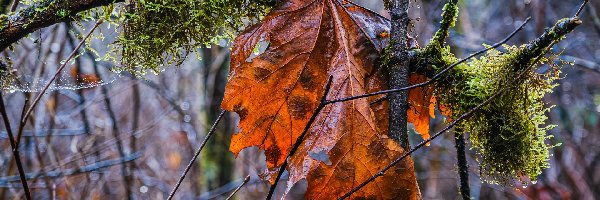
point(43, 14)
point(398, 71)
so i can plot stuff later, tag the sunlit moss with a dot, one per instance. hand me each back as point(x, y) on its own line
point(158, 33)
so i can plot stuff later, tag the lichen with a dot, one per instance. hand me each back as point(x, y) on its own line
point(158, 33)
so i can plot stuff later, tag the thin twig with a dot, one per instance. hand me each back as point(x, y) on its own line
point(438, 75)
point(39, 96)
point(450, 126)
point(239, 187)
point(300, 138)
point(581, 8)
point(189, 166)
point(14, 5)
point(15, 147)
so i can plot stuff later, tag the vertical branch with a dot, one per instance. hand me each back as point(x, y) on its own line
point(15, 147)
point(463, 167)
point(398, 71)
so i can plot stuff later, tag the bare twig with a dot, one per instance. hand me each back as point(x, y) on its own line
point(300, 138)
point(581, 8)
point(15, 147)
point(438, 75)
point(239, 187)
point(39, 96)
point(189, 166)
point(14, 5)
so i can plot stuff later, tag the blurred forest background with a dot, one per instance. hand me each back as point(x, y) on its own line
point(102, 135)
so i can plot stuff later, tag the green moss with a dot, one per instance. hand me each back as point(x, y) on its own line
point(3, 21)
point(509, 134)
point(449, 15)
point(159, 33)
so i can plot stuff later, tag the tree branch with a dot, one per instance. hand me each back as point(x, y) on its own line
point(300, 139)
point(398, 71)
point(463, 166)
point(436, 76)
point(189, 166)
point(464, 116)
point(43, 14)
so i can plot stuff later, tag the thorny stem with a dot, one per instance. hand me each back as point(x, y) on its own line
point(39, 96)
point(450, 126)
point(15, 147)
point(300, 139)
point(189, 166)
point(239, 187)
point(436, 76)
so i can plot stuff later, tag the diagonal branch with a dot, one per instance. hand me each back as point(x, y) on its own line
point(301, 137)
point(37, 99)
point(189, 166)
point(15, 147)
point(436, 76)
point(239, 187)
point(43, 14)
point(464, 116)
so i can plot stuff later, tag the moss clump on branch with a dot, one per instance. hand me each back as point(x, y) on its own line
point(163, 32)
point(510, 133)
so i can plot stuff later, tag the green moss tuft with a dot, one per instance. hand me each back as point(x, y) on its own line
point(509, 134)
point(163, 32)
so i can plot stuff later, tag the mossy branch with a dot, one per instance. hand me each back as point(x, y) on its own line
point(509, 134)
point(43, 14)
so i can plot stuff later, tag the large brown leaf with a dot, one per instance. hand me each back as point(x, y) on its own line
point(276, 92)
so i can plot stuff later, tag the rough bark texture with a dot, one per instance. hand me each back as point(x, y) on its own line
point(43, 14)
point(398, 71)
point(463, 167)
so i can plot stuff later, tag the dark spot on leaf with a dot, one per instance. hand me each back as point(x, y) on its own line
point(299, 106)
point(261, 73)
point(377, 149)
point(306, 80)
point(241, 111)
point(272, 154)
